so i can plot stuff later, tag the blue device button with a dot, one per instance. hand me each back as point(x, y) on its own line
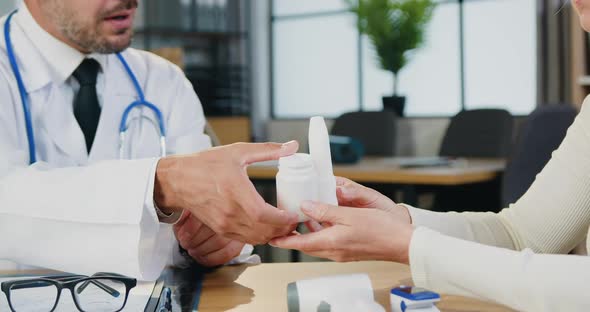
point(415, 294)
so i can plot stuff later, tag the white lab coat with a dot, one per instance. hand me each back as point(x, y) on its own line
point(87, 213)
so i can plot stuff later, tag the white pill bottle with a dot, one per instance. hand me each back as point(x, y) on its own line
point(297, 181)
point(304, 177)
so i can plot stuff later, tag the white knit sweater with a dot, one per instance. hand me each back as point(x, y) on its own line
point(509, 257)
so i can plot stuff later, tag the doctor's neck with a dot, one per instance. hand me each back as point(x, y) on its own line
point(100, 26)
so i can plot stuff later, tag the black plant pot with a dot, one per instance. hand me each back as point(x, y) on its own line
point(394, 103)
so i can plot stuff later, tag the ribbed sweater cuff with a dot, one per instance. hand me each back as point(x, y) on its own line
point(419, 256)
point(422, 217)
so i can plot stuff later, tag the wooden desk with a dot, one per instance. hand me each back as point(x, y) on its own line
point(264, 287)
point(385, 170)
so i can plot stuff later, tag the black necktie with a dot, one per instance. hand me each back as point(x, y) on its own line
point(86, 108)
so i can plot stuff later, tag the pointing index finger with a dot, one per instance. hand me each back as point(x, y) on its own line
point(257, 152)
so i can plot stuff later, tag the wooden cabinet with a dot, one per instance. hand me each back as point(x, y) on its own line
point(231, 129)
point(579, 62)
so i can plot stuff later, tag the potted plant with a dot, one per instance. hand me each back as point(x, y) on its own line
point(395, 28)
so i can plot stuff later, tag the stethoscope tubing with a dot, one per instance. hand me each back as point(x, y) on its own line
point(21, 89)
point(122, 126)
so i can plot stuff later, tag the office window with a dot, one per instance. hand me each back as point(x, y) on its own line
point(428, 92)
point(500, 57)
point(291, 7)
point(321, 67)
point(314, 75)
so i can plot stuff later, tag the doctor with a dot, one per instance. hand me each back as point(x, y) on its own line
point(67, 200)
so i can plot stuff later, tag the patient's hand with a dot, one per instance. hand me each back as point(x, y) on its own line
point(204, 245)
point(353, 235)
point(352, 194)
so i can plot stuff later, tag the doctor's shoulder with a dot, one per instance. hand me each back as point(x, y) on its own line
point(6, 75)
point(7, 81)
point(4, 62)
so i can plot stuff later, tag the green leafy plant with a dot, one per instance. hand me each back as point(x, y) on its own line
point(394, 27)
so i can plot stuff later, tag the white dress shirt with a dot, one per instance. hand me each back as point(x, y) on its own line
point(81, 212)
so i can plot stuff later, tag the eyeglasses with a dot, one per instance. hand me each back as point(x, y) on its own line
point(101, 292)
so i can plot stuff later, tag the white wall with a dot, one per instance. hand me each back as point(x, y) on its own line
point(421, 136)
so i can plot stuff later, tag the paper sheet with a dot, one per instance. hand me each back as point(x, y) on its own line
point(137, 301)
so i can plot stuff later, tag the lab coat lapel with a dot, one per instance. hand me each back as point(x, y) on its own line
point(62, 127)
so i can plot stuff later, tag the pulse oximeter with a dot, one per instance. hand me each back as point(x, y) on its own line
point(414, 299)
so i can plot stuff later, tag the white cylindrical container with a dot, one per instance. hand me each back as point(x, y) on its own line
point(297, 181)
point(327, 190)
point(319, 149)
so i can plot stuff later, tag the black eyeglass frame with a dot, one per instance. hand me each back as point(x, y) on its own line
point(70, 282)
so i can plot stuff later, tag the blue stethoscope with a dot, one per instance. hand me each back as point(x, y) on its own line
point(123, 125)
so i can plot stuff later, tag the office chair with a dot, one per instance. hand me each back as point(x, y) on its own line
point(479, 133)
point(377, 133)
point(539, 136)
point(375, 130)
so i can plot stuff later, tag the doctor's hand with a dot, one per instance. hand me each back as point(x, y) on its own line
point(355, 234)
point(202, 244)
point(213, 185)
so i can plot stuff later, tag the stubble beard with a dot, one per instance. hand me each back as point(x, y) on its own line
point(87, 35)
